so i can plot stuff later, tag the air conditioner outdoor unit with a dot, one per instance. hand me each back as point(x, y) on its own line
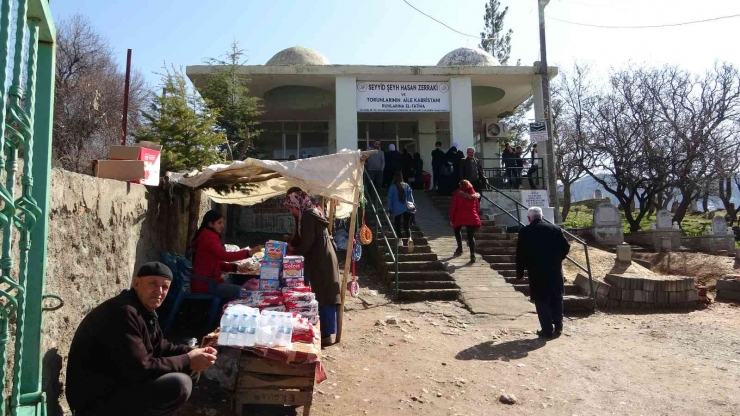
point(495, 130)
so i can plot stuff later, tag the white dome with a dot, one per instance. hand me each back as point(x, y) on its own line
point(298, 55)
point(468, 57)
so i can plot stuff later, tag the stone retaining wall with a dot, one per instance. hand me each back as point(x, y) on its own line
point(619, 291)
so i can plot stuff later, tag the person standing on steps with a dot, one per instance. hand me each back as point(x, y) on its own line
point(472, 171)
point(464, 213)
point(375, 165)
point(540, 250)
point(392, 164)
point(400, 207)
point(534, 166)
point(438, 159)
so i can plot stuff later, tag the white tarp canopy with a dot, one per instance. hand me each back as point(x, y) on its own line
point(249, 182)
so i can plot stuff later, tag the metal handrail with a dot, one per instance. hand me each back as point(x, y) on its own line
point(586, 269)
point(378, 225)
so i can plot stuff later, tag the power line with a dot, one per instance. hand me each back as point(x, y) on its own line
point(442, 23)
point(645, 26)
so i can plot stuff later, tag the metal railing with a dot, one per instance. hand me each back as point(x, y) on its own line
point(512, 177)
point(586, 269)
point(379, 213)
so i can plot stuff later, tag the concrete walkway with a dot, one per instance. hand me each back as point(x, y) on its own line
point(483, 290)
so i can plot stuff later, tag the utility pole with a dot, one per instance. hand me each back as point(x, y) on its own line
point(552, 180)
point(124, 120)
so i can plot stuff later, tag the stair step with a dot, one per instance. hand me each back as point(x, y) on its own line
point(403, 258)
point(414, 234)
point(495, 243)
point(482, 236)
point(524, 288)
point(431, 275)
point(416, 266)
point(499, 258)
point(503, 266)
point(485, 251)
point(490, 230)
point(578, 303)
point(428, 294)
point(426, 284)
point(405, 250)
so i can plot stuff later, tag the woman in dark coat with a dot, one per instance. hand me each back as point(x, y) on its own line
point(320, 259)
point(452, 162)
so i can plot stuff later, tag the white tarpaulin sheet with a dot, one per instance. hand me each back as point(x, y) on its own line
point(252, 181)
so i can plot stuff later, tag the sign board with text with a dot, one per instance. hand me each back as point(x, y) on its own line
point(403, 97)
point(537, 132)
point(535, 198)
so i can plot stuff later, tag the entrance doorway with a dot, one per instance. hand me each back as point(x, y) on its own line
point(402, 134)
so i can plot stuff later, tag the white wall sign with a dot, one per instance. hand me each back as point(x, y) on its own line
point(403, 97)
point(537, 132)
point(535, 198)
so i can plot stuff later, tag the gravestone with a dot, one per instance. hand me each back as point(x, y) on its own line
point(597, 194)
point(663, 221)
point(608, 224)
point(719, 226)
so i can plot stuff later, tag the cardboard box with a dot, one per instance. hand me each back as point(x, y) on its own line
point(293, 266)
point(269, 284)
point(293, 282)
point(147, 152)
point(123, 170)
point(275, 250)
point(270, 269)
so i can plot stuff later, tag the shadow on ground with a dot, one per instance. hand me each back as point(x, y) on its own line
point(509, 350)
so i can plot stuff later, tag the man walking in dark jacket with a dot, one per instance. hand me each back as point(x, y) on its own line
point(509, 159)
point(120, 363)
point(540, 250)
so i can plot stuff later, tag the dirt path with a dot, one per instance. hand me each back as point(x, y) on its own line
point(441, 360)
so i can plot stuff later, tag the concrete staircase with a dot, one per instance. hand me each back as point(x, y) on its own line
point(499, 250)
point(421, 276)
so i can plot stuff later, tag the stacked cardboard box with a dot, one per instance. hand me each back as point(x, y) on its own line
point(136, 164)
point(619, 291)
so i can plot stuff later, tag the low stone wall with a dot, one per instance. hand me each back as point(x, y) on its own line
point(590, 203)
point(653, 239)
point(100, 232)
point(619, 291)
point(710, 244)
point(728, 288)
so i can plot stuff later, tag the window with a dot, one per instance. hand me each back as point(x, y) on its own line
point(294, 139)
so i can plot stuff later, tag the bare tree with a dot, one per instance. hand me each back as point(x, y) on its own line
point(89, 96)
point(700, 114)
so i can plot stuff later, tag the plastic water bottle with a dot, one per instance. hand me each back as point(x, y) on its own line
point(285, 330)
point(241, 337)
point(250, 335)
point(223, 335)
point(266, 331)
point(233, 329)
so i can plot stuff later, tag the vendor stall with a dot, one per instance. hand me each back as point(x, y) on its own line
point(270, 333)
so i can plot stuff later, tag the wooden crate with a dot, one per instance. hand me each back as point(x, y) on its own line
point(263, 381)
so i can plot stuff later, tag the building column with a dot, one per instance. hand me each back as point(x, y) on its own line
point(461, 112)
point(539, 116)
point(427, 138)
point(346, 113)
point(332, 136)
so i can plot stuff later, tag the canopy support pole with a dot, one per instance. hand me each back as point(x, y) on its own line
point(347, 263)
point(332, 215)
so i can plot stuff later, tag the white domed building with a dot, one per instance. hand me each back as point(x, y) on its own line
point(314, 107)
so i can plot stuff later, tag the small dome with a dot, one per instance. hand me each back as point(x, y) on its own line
point(468, 57)
point(298, 55)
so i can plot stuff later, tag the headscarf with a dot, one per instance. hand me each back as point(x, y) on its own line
point(302, 202)
point(455, 145)
point(392, 148)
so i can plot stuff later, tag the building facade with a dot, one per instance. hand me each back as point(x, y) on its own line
point(314, 108)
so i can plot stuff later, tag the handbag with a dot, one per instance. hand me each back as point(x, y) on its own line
point(366, 235)
point(410, 206)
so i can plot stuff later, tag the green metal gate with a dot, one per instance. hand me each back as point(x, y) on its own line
point(26, 107)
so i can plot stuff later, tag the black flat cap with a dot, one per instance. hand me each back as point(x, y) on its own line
point(155, 268)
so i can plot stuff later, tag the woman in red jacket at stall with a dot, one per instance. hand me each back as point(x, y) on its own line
point(211, 258)
point(464, 213)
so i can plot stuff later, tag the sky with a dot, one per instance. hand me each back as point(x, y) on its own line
point(389, 32)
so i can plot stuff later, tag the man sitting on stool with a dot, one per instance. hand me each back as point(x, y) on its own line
point(540, 250)
point(120, 363)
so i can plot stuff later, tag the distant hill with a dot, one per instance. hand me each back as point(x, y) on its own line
point(584, 189)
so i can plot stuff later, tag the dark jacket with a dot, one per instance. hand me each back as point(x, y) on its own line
point(509, 158)
point(210, 259)
point(321, 263)
point(541, 249)
point(393, 161)
point(438, 158)
point(118, 345)
point(471, 170)
point(453, 159)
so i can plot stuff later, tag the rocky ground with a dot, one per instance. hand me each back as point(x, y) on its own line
point(438, 359)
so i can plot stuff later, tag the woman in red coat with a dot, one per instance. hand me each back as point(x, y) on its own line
point(211, 258)
point(464, 213)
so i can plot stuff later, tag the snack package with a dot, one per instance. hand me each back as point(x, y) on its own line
point(303, 289)
point(293, 266)
point(291, 282)
point(269, 284)
point(270, 269)
point(299, 296)
point(275, 250)
point(252, 284)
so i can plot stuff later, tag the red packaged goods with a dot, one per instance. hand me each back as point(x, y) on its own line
point(291, 282)
point(297, 289)
point(299, 297)
point(276, 308)
point(293, 266)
